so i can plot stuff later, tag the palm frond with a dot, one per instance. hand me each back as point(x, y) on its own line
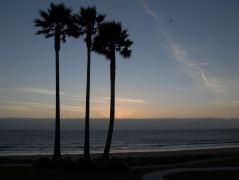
point(126, 53)
point(55, 19)
point(87, 22)
point(112, 37)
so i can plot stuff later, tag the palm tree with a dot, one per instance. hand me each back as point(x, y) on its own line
point(87, 23)
point(110, 39)
point(53, 23)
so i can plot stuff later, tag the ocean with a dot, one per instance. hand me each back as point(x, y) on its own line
point(40, 142)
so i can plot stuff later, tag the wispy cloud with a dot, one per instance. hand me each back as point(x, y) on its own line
point(35, 90)
point(72, 97)
point(121, 99)
point(14, 108)
point(30, 104)
point(129, 100)
point(195, 69)
point(24, 106)
point(49, 92)
point(72, 108)
point(225, 92)
point(149, 10)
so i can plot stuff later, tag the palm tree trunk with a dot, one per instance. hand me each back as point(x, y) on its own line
point(87, 109)
point(112, 108)
point(57, 150)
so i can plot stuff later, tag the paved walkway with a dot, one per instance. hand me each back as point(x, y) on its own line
point(159, 175)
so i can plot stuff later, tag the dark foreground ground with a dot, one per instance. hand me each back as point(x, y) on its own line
point(139, 164)
point(29, 173)
point(203, 175)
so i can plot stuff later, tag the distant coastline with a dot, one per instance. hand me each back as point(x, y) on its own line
point(121, 124)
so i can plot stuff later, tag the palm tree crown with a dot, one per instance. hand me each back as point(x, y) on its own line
point(112, 37)
point(54, 22)
point(87, 23)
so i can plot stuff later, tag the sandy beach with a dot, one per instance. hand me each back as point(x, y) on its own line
point(141, 163)
point(215, 152)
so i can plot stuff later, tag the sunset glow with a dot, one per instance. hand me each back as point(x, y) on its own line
point(184, 63)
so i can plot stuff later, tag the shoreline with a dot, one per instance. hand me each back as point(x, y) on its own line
point(232, 151)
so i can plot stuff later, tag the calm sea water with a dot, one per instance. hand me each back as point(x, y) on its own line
point(18, 142)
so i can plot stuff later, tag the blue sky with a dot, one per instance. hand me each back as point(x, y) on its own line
point(184, 64)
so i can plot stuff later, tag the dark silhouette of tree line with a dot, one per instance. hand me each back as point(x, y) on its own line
point(106, 38)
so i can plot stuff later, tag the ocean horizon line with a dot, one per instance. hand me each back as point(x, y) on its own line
point(122, 124)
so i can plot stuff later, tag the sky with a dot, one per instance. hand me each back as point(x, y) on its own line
point(184, 64)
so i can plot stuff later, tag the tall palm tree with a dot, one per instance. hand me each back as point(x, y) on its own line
point(112, 38)
point(53, 23)
point(87, 23)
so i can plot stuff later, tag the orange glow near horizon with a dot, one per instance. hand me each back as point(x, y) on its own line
point(125, 111)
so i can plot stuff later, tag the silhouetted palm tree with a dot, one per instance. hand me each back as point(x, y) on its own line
point(112, 38)
point(53, 23)
point(87, 23)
